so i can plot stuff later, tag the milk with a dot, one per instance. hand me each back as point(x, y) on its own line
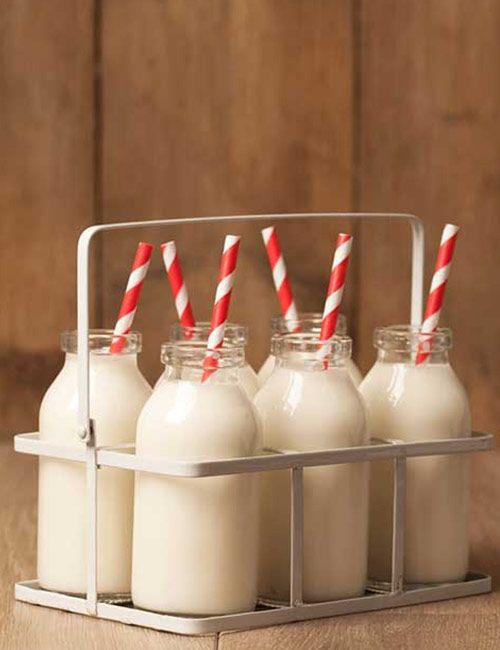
point(268, 366)
point(412, 403)
point(305, 408)
point(307, 322)
point(196, 539)
point(234, 335)
point(117, 393)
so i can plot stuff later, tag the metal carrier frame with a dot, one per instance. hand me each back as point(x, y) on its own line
point(123, 456)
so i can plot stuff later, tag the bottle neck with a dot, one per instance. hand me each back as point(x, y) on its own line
point(185, 360)
point(300, 361)
point(394, 356)
point(234, 334)
point(195, 375)
point(98, 360)
point(100, 341)
point(305, 351)
point(403, 343)
point(309, 322)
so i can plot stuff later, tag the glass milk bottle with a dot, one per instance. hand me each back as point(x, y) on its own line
point(118, 392)
point(410, 403)
point(195, 539)
point(233, 335)
point(304, 407)
point(307, 322)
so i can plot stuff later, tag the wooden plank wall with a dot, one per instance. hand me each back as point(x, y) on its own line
point(139, 108)
point(46, 190)
point(430, 143)
point(246, 107)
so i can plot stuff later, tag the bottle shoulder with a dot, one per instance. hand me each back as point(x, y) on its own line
point(187, 420)
point(116, 398)
point(410, 402)
point(311, 410)
point(405, 379)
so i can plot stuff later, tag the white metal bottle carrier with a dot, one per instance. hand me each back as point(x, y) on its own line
point(124, 457)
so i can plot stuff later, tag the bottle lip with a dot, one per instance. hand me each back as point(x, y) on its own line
point(234, 333)
point(307, 321)
point(338, 347)
point(407, 338)
point(192, 354)
point(100, 342)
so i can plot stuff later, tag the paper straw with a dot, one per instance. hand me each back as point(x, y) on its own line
point(131, 296)
point(334, 294)
point(436, 292)
point(221, 303)
point(280, 276)
point(176, 278)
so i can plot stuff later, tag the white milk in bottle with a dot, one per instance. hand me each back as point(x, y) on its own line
point(307, 322)
point(304, 407)
point(233, 335)
point(118, 392)
point(196, 539)
point(410, 403)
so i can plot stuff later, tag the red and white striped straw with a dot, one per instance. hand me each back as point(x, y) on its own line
point(280, 275)
point(131, 298)
point(438, 286)
point(334, 294)
point(221, 303)
point(179, 291)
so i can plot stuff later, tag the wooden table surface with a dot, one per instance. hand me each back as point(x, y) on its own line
point(463, 623)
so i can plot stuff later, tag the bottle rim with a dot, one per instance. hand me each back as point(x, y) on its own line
point(306, 322)
point(407, 338)
point(100, 342)
point(192, 354)
point(338, 347)
point(234, 333)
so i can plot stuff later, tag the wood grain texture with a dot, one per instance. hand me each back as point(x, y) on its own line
point(430, 144)
point(462, 623)
point(246, 106)
point(223, 107)
point(46, 190)
point(403, 630)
